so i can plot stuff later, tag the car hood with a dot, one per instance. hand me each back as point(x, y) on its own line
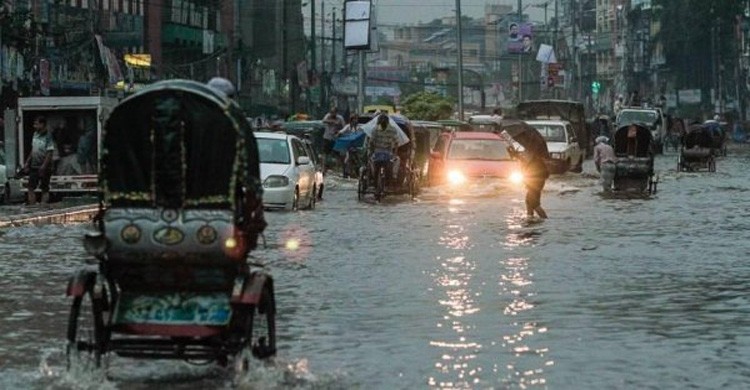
point(557, 147)
point(479, 168)
point(273, 169)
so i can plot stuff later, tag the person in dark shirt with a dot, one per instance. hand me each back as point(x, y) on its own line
point(535, 176)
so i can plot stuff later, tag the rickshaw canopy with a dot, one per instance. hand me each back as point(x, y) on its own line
point(633, 140)
point(177, 144)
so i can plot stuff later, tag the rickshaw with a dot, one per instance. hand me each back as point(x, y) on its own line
point(634, 169)
point(697, 150)
point(180, 209)
point(406, 179)
point(718, 136)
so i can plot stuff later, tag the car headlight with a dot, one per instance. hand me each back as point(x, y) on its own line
point(456, 177)
point(276, 181)
point(516, 177)
point(556, 156)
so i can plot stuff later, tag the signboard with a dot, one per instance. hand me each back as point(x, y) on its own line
point(520, 38)
point(689, 96)
point(357, 15)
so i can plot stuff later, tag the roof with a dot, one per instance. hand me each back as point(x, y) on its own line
point(427, 123)
point(547, 121)
point(452, 122)
point(271, 135)
point(476, 135)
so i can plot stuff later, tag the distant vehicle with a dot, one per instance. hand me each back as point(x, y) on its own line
point(460, 157)
point(698, 149)
point(455, 125)
point(652, 118)
point(286, 171)
point(564, 150)
point(76, 124)
point(484, 123)
point(564, 110)
point(384, 108)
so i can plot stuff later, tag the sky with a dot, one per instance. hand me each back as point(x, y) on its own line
point(415, 11)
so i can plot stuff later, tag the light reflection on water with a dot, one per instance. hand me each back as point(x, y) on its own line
point(457, 291)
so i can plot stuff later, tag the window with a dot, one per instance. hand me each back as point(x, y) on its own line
point(273, 151)
point(551, 133)
point(478, 149)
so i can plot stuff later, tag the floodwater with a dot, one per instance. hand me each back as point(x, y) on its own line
point(455, 291)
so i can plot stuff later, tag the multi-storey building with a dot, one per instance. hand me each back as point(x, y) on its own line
point(88, 46)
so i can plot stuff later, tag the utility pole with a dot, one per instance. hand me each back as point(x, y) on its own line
point(460, 62)
point(313, 60)
point(520, 56)
point(333, 41)
point(322, 55)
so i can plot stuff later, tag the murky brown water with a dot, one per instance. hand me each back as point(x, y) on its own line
point(457, 291)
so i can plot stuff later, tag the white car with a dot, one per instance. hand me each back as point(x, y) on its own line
point(286, 171)
point(564, 151)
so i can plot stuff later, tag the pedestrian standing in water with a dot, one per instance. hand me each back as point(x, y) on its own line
point(605, 159)
point(535, 176)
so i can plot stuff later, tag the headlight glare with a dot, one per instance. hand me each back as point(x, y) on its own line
point(516, 177)
point(456, 177)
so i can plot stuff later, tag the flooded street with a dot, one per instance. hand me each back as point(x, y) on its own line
point(455, 290)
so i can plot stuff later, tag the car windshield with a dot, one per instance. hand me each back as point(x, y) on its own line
point(551, 133)
point(273, 151)
point(627, 117)
point(478, 149)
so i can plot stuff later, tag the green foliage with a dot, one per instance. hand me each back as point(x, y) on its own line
point(427, 106)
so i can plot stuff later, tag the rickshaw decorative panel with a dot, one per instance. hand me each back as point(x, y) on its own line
point(142, 233)
point(174, 309)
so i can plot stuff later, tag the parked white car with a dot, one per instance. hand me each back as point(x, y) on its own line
point(564, 151)
point(287, 172)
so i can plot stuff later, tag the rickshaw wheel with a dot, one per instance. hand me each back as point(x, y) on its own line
point(413, 185)
point(361, 185)
point(86, 330)
point(313, 197)
point(260, 330)
point(380, 185)
point(295, 200)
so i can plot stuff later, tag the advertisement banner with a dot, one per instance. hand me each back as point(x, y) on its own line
point(520, 38)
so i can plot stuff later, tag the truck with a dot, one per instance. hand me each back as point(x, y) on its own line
point(75, 124)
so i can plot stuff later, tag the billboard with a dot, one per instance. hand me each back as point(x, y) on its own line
point(520, 38)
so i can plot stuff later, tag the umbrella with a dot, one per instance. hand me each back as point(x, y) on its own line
point(527, 136)
point(351, 140)
point(369, 127)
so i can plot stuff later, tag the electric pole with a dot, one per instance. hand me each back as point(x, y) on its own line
point(460, 61)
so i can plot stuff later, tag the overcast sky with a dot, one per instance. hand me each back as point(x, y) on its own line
point(414, 11)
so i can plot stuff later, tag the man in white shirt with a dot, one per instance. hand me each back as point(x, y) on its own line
point(605, 159)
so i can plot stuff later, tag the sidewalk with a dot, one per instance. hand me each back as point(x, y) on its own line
point(14, 216)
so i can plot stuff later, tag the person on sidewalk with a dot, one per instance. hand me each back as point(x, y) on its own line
point(39, 163)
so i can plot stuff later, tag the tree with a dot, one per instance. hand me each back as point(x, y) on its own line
point(696, 34)
point(428, 106)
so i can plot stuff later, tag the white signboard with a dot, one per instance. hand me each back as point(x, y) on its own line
point(357, 24)
point(689, 96)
